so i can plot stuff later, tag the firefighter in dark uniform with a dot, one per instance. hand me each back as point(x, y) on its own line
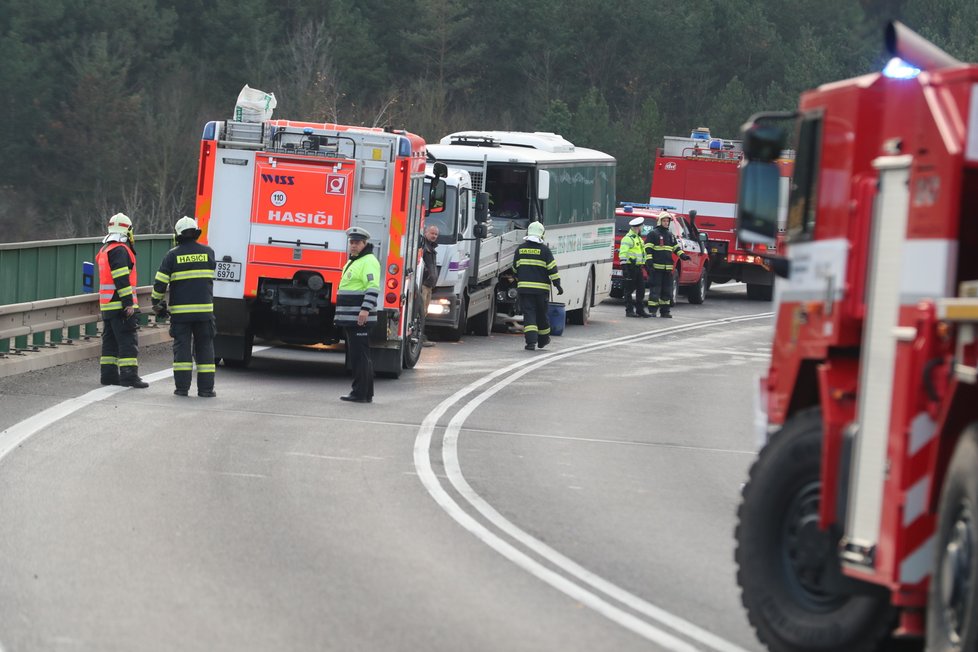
point(118, 305)
point(356, 311)
point(536, 270)
point(631, 256)
point(188, 270)
point(660, 245)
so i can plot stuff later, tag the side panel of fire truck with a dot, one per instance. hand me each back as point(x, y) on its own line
point(274, 201)
point(860, 519)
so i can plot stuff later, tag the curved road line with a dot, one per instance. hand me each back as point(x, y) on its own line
point(422, 460)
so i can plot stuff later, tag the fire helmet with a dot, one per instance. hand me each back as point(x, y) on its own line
point(120, 223)
point(185, 224)
point(663, 216)
point(536, 229)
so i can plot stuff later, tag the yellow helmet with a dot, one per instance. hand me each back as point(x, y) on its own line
point(663, 216)
point(536, 229)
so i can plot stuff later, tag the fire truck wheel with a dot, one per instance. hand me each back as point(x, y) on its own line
point(757, 292)
point(787, 567)
point(414, 337)
point(697, 293)
point(952, 603)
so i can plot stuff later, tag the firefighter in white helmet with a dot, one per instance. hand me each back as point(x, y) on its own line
point(660, 245)
point(118, 305)
point(188, 271)
point(536, 271)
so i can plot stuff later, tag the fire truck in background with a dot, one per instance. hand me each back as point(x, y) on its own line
point(859, 522)
point(274, 200)
point(698, 175)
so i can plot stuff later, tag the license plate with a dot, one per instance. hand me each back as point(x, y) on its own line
point(616, 272)
point(228, 272)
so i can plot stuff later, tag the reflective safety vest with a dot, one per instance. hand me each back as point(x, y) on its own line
point(632, 249)
point(660, 247)
point(535, 268)
point(188, 271)
point(359, 289)
point(116, 277)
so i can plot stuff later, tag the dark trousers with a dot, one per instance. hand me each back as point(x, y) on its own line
point(536, 323)
point(358, 350)
point(120, 347)
point(193, 340)
point(632, 282)
point(660, 290)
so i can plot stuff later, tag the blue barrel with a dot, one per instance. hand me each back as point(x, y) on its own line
point(557, 316)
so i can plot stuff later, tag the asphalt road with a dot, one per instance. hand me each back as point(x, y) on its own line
point(578, 498)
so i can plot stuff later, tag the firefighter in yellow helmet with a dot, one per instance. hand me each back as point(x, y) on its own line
point(660, 245)
point(188, 271)
point(356, 311)
point(536, 271)
point(116, 262)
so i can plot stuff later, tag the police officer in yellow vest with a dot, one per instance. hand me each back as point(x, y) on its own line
point(631, 255)
point(356, 311)
point(117, 303)
point(188, 271)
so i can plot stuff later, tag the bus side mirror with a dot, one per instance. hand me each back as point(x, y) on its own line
point(436, 196)
point(481, 207)
point(543, 184)
point(757, 202)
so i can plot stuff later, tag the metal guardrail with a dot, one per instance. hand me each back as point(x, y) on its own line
point(45, 322)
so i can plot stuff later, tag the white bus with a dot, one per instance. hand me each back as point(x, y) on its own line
point(543, 177)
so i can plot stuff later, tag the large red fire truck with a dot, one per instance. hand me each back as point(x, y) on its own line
point(859, 522)
point(698, 175)
point(274, 200)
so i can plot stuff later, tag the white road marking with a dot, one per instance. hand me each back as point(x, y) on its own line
point(422, 462)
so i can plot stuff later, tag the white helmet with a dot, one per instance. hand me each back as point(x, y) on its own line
point(535, 229)
point(120, 223)
point(663, 216)
point(185, 224)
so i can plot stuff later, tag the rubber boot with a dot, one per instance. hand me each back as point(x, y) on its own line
point(129, 377)
point(110, 374)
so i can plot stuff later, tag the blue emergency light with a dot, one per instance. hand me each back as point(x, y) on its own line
point(627, 206)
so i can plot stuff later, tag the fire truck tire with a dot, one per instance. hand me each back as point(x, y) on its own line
point(482, 324)
point(235, 351)
point(952, 603)
point(785, 563)
point(582, 315)
point(414, 336)
point(757, 292)
point(697, 293)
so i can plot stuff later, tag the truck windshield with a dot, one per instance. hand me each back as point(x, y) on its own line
point(446, 220)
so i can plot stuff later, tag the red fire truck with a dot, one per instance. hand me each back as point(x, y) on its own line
point(274, 200)
point(698, 175)
point(859, 522)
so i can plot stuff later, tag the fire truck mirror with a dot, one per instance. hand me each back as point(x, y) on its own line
point(436, 196)
point(757, 202)
point(482, 207)
point(763, 142)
